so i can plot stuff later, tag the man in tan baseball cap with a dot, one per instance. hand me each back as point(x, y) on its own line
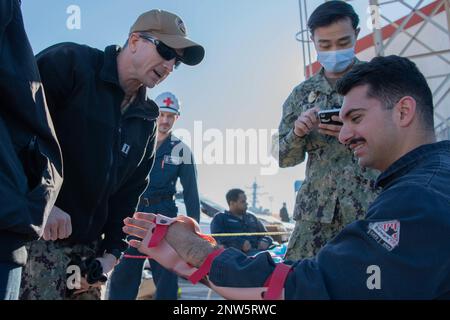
point(168, 28)
point(106, 104)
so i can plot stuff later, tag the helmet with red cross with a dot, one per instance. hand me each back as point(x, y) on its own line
point(168, 102)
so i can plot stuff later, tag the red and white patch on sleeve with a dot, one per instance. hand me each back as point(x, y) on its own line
point(386, 233)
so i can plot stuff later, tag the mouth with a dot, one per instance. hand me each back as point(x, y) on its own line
point(357, 147)
point(157, 74)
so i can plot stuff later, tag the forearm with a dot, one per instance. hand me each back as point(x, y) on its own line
point(188, 179)
point(193, 251)
point(192, 202)
point(292, 149)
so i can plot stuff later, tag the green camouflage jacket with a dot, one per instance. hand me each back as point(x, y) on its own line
point(332, 171)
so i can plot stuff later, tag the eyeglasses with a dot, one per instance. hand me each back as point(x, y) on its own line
point(166, 52)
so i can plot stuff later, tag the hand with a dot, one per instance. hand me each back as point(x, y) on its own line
point(331, 129)
point(84, 286)
point(263, 245)
point(246, 246)
point(180, 236)
point(58, 226)
point(108, 262)
point(306, 122)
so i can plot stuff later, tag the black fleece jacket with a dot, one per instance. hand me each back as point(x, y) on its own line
point(107, 155)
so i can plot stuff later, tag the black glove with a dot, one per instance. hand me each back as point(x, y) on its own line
point(90, 268)
point(94, 271)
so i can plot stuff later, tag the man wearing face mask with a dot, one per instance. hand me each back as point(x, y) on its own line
point(336, 191)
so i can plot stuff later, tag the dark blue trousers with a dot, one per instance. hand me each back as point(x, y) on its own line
point(126, 277)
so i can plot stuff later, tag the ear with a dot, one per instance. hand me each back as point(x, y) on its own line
point(132, 42)
point(358, 30)
point(405, 111)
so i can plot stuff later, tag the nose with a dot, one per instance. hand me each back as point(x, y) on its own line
point(169, 65)
point(162, 118)
point(345, 135)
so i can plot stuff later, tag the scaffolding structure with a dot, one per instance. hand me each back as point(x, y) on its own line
point(431, 54)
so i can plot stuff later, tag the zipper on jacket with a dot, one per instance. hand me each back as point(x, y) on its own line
point(112, 165)
point(108, 175)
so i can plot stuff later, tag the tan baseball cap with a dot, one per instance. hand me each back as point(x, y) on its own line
point(170, 29)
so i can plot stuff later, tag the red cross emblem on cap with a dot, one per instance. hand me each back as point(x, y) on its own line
point(168, 102)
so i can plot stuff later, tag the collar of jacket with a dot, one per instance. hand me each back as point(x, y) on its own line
point(234, 216)
point(141, 106)
point(164, 147)
point(109, 71)
point(410, 160)
point(168, 144)
point(322, 85)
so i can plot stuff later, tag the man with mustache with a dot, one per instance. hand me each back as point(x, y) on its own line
point(173, 161)
point(107, 130)
point(400, 250)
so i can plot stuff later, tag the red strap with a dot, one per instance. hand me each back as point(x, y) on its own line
point(205, 267)
point(266, 284)
point(276, 283)
point(129, 256)
point(158, 234)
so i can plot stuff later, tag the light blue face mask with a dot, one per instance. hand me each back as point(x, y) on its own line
point(336, 61)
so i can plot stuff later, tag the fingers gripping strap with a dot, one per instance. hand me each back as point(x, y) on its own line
point(276, 282)
point(162, 225)
point(203, 270)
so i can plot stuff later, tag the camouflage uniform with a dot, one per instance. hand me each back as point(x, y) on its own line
point(336, 190)
point(45, 275)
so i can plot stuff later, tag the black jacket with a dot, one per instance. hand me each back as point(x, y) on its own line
point(30, 158)
point(107, 155)
point(225, 222)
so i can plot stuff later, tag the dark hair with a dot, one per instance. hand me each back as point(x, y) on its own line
point(233, 195)
point(389, 79)
point(331, 12)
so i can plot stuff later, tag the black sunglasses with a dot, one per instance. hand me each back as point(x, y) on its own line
point(166, 52)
